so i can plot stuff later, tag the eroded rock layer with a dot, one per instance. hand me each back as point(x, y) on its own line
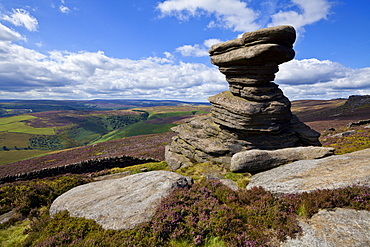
point(254, 114)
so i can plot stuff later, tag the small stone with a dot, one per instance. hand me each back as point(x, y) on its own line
point(344, 134)
point(230, 183)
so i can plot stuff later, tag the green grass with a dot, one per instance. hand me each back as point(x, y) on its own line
point(14, 235)
point(14, 119)
point(153, 166)
point(136, 129)
point(16, 124)
point(171, 114)
point(7, 157)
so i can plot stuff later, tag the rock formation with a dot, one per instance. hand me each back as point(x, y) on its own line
point(254, 114)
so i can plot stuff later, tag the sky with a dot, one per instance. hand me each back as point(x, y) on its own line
point(158, 50)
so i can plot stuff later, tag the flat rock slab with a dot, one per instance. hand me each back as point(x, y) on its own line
point(257, 160)
point(334, 228)
point(306, 175)
point(119, 203)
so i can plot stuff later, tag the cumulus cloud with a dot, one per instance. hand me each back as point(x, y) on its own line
point(230, 14)
point(197, 50)
point(309, 12)
point(6, 34)
point(60, 74)
point(309, 71)
point(21, 17)
point(316, 79)
point(238, 16)
point(26, 73)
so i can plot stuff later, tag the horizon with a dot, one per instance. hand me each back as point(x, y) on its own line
point(71, 50)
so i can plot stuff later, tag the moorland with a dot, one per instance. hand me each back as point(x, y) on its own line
point(36, 139)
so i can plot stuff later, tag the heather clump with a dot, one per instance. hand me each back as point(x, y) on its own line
point(28, 197)
point(347, 144)
point(206, 214)
point(247, 218)
point(309, 203)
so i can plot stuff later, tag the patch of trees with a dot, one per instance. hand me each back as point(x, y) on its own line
point(117, 122)
point(49, 142)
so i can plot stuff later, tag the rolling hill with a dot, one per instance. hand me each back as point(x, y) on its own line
point(147, 138)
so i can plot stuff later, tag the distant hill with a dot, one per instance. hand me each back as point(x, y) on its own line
point(15, 107)
point(329, 117)
point(36, 133)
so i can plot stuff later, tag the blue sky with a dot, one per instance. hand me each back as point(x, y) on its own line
point(115, 49)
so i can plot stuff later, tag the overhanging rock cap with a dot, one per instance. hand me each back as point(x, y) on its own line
point(282, 35)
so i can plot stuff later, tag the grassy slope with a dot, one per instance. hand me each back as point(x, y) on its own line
point(17, 124)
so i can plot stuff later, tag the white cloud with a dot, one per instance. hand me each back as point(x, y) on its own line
point(21, 17)
point(25, 73)
point(231, 14)
point(64, 9)
point(310, 12)
point(315, 79)
point(197, 50)
point(309, 71)
point(192, 51)
point(209, 42)
point(238, 16)
point(6, 34)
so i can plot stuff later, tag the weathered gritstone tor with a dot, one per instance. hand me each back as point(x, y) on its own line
point(254, 114)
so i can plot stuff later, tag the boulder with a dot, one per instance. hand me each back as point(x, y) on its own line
point(331, 172)
point(119, 203)
point(257, 160)
point(334, 228)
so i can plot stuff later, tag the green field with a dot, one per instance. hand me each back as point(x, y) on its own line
point(136, 129)
point(16, 124)
point(46, 132)
point(7, 157)
point(173, 114)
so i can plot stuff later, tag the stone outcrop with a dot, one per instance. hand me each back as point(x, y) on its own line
point(334, 228)
point(120, 203)
point(257, 160)
point(254, 114)
point(306, 175)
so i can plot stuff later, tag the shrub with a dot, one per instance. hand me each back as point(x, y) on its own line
point(29, 195)
point(206, 214)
